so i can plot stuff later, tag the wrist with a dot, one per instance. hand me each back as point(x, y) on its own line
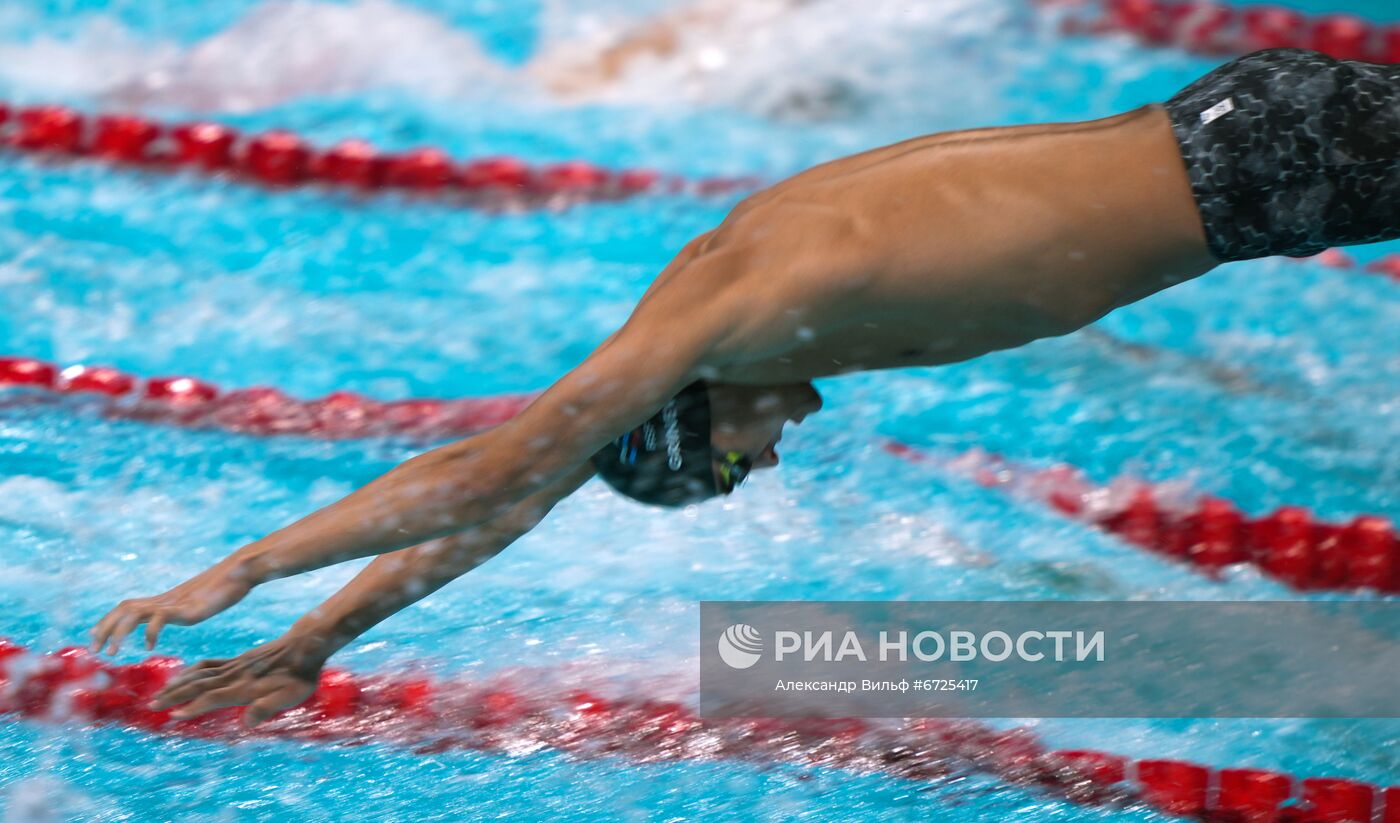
point(327, 629)
point(252, 565)
point(312, 641)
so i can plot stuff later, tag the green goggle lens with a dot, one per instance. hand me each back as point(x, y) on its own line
point(734, 469)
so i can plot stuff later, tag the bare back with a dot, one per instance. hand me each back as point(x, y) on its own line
point(1036, 231)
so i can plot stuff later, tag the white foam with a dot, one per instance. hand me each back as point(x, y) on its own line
point(790, 58)
point(280, 51)
point(44, 798)
point(86, 63)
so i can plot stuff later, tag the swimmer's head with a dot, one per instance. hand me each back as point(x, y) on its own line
point(703, 442)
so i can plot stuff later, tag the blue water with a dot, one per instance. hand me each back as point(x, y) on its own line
point(1378, 10)
point(1266, 382)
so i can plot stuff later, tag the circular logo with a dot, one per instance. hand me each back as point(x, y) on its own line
point(740, 646)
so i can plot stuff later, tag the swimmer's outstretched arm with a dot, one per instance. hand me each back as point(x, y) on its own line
point(461, 485)
point(281, 674)
point(466, 484)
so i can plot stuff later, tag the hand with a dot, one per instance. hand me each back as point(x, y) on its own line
point(193, 601)
point(269, 679)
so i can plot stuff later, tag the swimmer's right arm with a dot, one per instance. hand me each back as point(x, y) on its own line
point(397, 580)
point(392, 582)
point(462, 485)
point(283, 673)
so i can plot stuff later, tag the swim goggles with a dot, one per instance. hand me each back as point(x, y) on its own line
point(734, 469)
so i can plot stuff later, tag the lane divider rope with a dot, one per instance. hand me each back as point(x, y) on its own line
point(280, 158)
point(194, 403)
point(1211, 28)
point(1291, 544)
point(428, 716)
point(1387, 266)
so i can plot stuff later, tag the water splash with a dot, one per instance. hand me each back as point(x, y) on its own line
point(278, 52)
point(798, 61)
point(795, 60)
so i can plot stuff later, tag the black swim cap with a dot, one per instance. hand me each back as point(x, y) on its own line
point(666, 461)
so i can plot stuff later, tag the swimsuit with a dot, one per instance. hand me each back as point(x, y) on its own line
point(1291, 152)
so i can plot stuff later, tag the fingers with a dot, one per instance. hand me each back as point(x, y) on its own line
point(237, 694)
point(153, 631)
point(278, 700)
point(258, 679)
point(99, 632)
point(113, 629)
point(190, 683)
point(103, 630)
point(263, 697)
point(123, 627)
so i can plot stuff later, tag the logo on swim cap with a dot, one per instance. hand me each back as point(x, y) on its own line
point(668, 460)
point(740, 646)
point(673, 436)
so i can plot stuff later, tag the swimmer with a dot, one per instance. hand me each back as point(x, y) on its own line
point(688, 38)
point(930, 251)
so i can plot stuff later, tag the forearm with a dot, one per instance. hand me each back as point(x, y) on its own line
point(397, 580)
point(433, 495)
point(461, 485)
point(391, 583)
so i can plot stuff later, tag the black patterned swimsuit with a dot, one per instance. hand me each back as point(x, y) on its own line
point(1291, 152)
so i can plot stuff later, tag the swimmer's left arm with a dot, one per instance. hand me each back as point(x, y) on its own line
point(460, 486)
point(397, 580)
point(283, 673)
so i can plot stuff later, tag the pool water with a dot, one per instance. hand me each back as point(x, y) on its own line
point(1266, 382)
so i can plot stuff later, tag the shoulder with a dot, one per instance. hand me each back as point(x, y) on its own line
point(782, 274)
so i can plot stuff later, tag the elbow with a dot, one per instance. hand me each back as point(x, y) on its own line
point(439, 483)
point(1043, 315)
point(520, 522)
point(466, 480)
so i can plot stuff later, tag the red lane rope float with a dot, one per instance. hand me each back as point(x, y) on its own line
point(280, 158)
point(500, 716)
point(1388, 266)
point(1212, 28)
point(1291, 544)
point(194, 403)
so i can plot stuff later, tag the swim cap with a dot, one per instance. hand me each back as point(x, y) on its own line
point(666, 461)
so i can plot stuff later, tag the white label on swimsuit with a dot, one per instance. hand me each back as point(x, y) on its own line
point(1218, 111)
